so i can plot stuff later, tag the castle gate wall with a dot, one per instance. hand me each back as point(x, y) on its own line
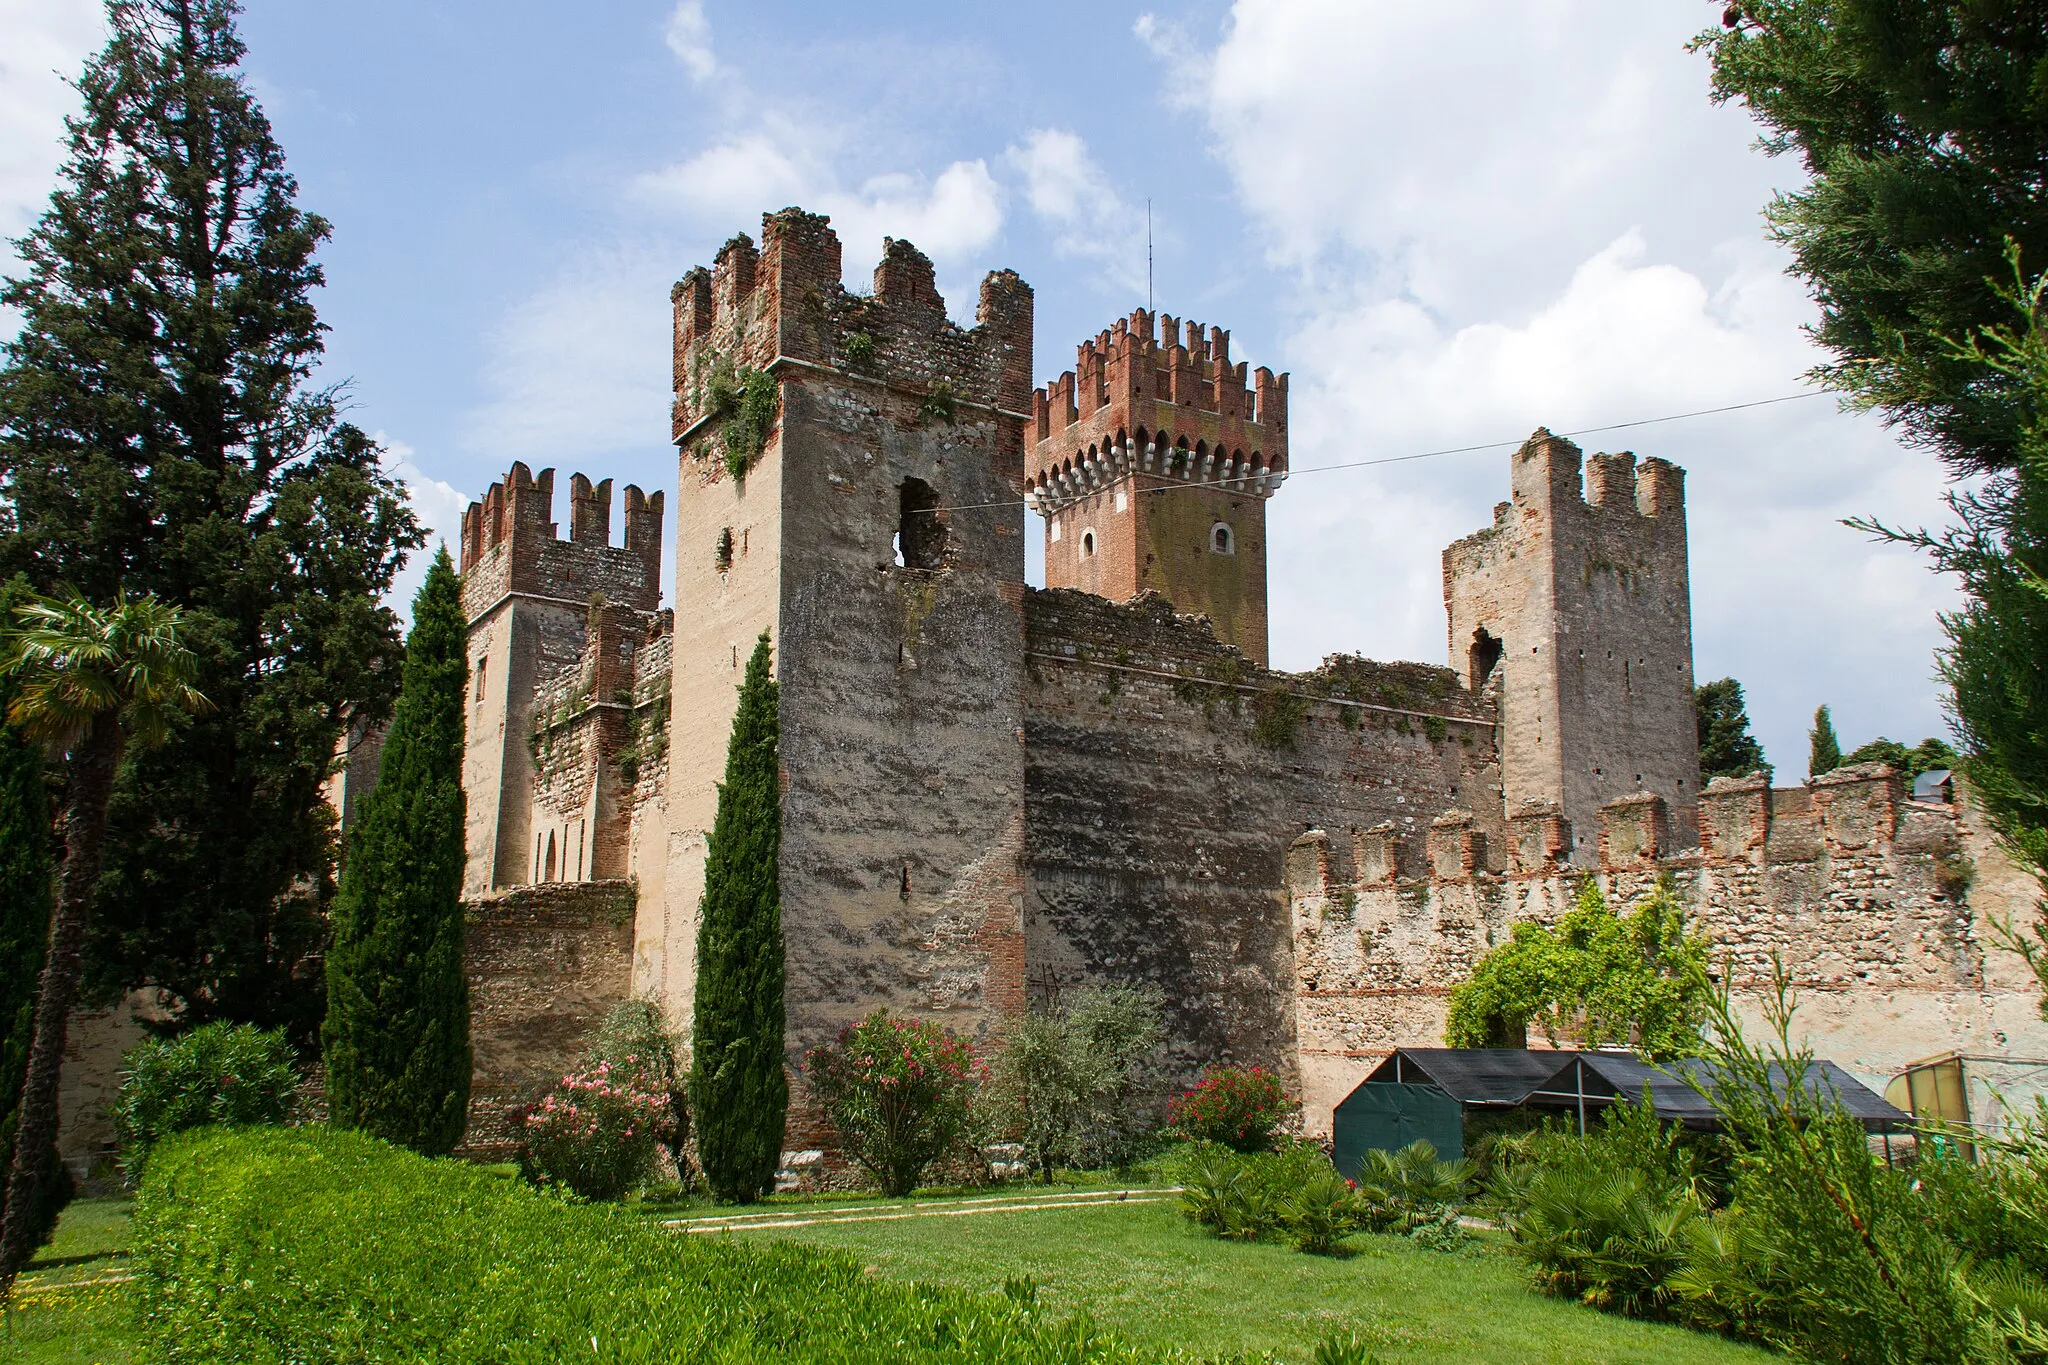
point(1876, 906)
point(1166, 776)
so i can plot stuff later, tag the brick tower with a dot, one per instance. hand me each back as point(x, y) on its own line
point(876, 534)
point(1575, 604)
point(528, 598)
point(1152, 462)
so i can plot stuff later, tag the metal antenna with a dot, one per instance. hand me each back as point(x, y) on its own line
point(1148, 255)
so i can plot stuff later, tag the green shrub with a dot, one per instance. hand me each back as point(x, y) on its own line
point(595, 1133)
point(1244, 1108)
point(321, 1246)
point(899, 1091)
point(1404, 1190)
point(1068, 1080)
point(1320, 1212)
point(1292, 1194)
point(232, 1074)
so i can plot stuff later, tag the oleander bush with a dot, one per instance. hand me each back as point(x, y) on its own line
point(1244, 1108)
point(900, 1092)
point(234, 1074)
point(320, 1246)
point(595, 1133)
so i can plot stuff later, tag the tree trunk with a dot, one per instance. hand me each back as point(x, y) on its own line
point(85, 824)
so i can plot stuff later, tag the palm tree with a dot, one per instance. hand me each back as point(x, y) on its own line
point(89, 681)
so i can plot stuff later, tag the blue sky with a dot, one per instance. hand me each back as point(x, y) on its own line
point(1450, 222)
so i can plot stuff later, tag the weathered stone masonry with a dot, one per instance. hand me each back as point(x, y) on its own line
point(991, 791)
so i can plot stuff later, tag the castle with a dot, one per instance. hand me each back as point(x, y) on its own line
point(992, 791)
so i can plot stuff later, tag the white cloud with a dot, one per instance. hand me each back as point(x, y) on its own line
point(728, 182)
point(439, 507)
point(688, 35)
point(949, 218)
point(1495, 217)
point(1068, 189)
point(580, 368)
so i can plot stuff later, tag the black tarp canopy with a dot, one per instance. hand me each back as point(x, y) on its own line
point(1581, 1082)
point(1598, 1079)
point(1476, 1077)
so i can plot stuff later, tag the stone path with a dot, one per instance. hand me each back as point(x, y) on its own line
point(936, 1208)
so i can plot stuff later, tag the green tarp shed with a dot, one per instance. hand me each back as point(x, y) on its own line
point(1389, 1116)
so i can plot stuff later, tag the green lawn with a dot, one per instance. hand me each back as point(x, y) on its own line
point(1143, 1270)
point(1140, 1268)
point(71, 1307)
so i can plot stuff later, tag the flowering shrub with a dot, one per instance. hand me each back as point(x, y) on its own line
point(595, 1132)
point(899, 1091)
point(1244, 1108)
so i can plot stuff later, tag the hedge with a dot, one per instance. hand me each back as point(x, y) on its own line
point(314, 1245)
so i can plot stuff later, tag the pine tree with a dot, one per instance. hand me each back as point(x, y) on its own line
point(397, 1031)
point(737, 1082)
point(1823, 750)
point(159, 434)
point(25, 888)
point(1727, 748)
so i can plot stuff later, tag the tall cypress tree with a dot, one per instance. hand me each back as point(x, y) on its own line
point(159, 433)
point(1823, 749)
point(24, 934)
point(1727, 748)
point(737, 1084)
point(397, 1031)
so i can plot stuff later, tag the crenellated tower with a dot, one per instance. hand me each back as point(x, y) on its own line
point(1152, 460)
point(1575, 607)
point(869, 517)
point(529, 598)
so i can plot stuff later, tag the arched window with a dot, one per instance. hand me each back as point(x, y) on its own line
point(1087, 544)
point(550, 865)
point(1222, 540)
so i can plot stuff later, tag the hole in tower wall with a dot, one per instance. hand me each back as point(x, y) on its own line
point(1486, 654)
point(920, 534)
point(723, 554)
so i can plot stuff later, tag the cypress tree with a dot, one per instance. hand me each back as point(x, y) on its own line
point(1727, 748)
point(1823, 750)
point(737, 1084)
point(24, 933)
point(397, 1031)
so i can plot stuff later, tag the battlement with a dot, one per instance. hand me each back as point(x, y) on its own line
point(1167, 402)
point(756, 308)
point(510, 543)
point(1550, 472)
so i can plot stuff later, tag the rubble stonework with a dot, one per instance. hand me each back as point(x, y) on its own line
point(991, 791)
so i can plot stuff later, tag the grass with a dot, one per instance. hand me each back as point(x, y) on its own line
point(1139, 1268)
point(1143, 1270)
point(69, 1307)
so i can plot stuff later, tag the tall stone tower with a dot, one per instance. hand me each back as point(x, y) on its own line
point(527, 596)
point(876, 534)
point(1575, 605)
point(1152, 462)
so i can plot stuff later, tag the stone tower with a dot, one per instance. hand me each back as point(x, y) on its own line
point(1575, 605)
point(877, 536)
point(527, 596)
point(1152, 461)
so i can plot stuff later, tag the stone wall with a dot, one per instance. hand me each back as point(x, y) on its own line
point(545, 964)
point(1167, 776)
point(1576, 605)
point(879, 534)
point(1876, 905)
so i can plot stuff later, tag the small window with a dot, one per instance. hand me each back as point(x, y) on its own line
point(920, 531)
point(549, 866)
point(1485, 657)
point(481, 660)
point(723, 555)
point(1087, 544)
point(1221, 540)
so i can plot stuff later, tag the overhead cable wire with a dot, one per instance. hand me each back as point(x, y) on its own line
point(1165, 484)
